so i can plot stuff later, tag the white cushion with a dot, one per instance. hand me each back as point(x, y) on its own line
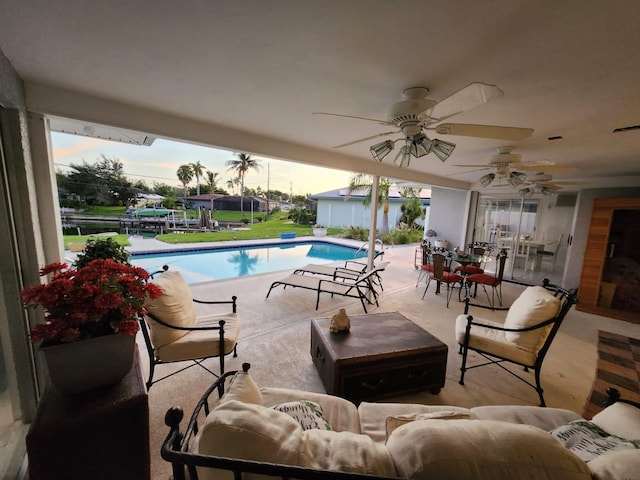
point(202, 343)
point(491, 340)
point(588, 441)
point(533, 306)
point(470, 449)
point(623, 464)
point(253, 432)
point(307, 413)
point(620, 419)
point(242, 388)
point(348, 452)
point(340, 413)
point(373, 415)
point(394, 421)
point(175, 306)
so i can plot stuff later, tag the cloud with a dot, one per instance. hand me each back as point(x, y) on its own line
point(85, 145)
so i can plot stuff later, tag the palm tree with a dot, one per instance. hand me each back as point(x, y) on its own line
point(212, 181)
point(241, 166)
point(365, 182)
point(198, 169)
point(185, 175)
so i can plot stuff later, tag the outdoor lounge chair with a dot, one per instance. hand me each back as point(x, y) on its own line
point(351, 271)
point(358, 288)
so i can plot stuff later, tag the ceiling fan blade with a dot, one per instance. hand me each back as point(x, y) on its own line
point(481, 167)
point(468, 171)
point(544, 168)
point(381, 122)
point(366, 138)
point(471, 96)
point(484, 131)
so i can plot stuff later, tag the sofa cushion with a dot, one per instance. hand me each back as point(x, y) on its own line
point(253, 432)
point(242, 388)
point(469, 449)
point(545, 418)
point(348, 452)
point(533, 306)
point(340, 413)
point(620, 419)
point(373, 415)
point(589, 441)
point(307, 413)
point(174, 306)
point(394, 421)
point(623, 464)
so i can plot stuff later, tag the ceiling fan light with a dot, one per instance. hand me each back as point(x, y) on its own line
point(526, 192)
point(486, 180)
point(547, 191)
point(421, 146)
point(403, 158)
point(381, 150)
point(516, 178)
point(442, 149)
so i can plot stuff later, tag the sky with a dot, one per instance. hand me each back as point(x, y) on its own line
point(160, 161)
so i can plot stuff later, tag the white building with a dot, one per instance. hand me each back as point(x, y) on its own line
point(336, 208)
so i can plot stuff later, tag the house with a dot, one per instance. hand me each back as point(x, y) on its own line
point(554, 84)
point(339, 208)
point(228, 202)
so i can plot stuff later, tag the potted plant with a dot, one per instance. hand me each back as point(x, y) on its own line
point(319, 231)
point(91, 318)
point(101, 248)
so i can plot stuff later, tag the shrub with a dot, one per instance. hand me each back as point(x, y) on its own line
point(104, 248)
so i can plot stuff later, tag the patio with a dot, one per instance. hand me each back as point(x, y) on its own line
point(275, 338)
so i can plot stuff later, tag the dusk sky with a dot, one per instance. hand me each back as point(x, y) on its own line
point(160, 161)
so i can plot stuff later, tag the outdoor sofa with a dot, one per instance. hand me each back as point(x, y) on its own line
point(296, 434)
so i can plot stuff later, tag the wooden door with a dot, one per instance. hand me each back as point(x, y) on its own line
point(593, 292)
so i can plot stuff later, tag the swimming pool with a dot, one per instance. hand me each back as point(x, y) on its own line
point(203, 265)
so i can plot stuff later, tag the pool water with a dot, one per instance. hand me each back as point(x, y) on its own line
point(204, 265)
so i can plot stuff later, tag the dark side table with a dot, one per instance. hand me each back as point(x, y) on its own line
point(384, 354)
point(101, 434)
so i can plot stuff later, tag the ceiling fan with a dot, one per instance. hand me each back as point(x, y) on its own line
point(543, 182)
point(507, 166)
point(414, 114)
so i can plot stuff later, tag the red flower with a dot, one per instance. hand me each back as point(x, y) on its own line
point(102, 298)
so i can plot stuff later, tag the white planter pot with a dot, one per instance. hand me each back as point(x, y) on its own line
point(77, 367)
point(319, 232)
point(441, 244)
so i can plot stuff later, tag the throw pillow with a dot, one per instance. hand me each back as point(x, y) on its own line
point(620, 419)
point(243, 388)
point(487, 449)
point(533, 306)
point(394, 421)
point(307, 413)
point(174, 306)
point(616, 465)
point(588, 441)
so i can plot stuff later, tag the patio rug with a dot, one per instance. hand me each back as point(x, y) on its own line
point(618, 366)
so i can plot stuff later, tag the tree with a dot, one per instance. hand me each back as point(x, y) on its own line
point(365, 182)
point(212, 181)
point(241, 166)
point(102, 183)
point(185, 175)
point(198, 170)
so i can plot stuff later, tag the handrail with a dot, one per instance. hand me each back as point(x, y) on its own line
point(366, 244)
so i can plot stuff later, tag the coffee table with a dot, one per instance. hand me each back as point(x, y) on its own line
point(384, 354)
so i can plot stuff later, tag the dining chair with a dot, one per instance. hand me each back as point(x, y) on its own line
point(440, 275)
point(486, 280)
point(550, 253)
point(427, 264)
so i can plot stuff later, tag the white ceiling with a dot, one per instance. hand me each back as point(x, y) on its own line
point(568, 68)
